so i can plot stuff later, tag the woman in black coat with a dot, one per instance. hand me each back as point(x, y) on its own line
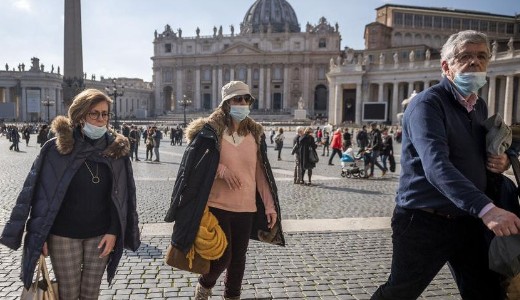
point(307, 146)
point(80, 199)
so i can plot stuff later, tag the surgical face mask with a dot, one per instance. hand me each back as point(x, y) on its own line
point(94, 132)
point(239, 112)
point(470, 82)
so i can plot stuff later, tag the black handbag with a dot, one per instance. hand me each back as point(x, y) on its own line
point(313, 155)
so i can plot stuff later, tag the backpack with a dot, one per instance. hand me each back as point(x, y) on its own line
point(278, 139)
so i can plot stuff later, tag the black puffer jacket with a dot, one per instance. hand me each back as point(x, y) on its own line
point(47, 183)
point(195, 179)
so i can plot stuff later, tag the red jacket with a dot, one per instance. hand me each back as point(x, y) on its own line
point(336, 141)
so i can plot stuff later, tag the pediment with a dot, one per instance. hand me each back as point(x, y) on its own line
point(241, 49)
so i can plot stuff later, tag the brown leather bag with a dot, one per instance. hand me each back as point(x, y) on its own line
point(177, 259)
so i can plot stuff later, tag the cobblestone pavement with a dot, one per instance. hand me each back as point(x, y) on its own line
point(333, 264)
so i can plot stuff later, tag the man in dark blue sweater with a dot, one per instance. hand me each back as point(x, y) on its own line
point(442, 213)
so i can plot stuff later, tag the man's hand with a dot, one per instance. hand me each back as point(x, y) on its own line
point(498, 163)
point(501, 222)
point(45, 250)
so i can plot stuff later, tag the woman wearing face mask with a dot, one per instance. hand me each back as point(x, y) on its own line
point(80, 194)
point(225, 166)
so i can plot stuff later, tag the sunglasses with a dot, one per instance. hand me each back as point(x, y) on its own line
point(238, 99)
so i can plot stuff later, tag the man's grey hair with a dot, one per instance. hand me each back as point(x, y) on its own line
point(452, 46)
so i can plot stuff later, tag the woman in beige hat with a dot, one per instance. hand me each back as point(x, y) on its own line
point(225, 166)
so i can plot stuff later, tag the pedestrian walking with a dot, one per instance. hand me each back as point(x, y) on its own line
point(80, 200)
point(308, 156)
point(157, 137)
point(278, 139)
point(387, 147)
point(26, 133)
point(325, 141)
point(15, 139)
point(134, 137)
point(296, 152)
point(41, 138)
point(336, 145)
point(149, 144)
point(362, 138)
point(347, 139)
point(375, 146)
point(226, 167)
point(441, 205)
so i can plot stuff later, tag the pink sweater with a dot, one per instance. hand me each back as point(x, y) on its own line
point(239, 155)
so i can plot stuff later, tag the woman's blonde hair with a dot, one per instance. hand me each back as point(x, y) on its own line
point(82, 103)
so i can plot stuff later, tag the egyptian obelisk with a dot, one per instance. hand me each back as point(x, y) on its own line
point(73, 54)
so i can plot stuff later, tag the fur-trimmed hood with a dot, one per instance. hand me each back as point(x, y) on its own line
point(118, 145)
point(217, 121)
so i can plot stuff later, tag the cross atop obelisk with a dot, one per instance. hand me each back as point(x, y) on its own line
point(73, 53)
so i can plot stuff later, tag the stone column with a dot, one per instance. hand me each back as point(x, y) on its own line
point(214, 88)
point(286, 90)
point(231, 73)
point(249, 79)
point(359, 103)
point(410, 89)
point(395, 101)
point(333, 102)
point(268, 89)
point(179, 93)
point(197, 100)
point(261, 89)
point(306, 84)
point(508, 105)
point(219, 84)
point(380, 93)
point(491, 95)
point(339, 103)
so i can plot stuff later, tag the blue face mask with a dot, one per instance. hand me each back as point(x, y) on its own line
point(94, 132)
point(468, 83)
point(239, 112)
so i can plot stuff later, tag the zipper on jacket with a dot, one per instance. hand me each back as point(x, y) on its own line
point(200, 160)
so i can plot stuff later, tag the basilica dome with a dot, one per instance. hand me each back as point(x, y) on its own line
point(273, 15)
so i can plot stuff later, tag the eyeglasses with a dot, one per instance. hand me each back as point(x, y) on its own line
point(94, 115)
point(465, 57)
point(238, 99)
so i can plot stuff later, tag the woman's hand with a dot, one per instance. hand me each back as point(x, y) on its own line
point(45, 250)
point(271, 220)
point(231, 179)
point(108, 242)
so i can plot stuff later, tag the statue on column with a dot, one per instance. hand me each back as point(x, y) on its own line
point(494, 49)
point(42, 68)
point(180, 32)
point(214, 31)
point(331, 63)
point(197, 31)
point(155, 33)
point(300, 103)
point(232, 28)
point(382, 58)
point(52, 69)
point(350, 55)
point(412, 56)
point(58, 70)
point(510, 45)
point(428, 54)
point(23, 67)
point(6, 67)
point(220, 31)
point(396, 58)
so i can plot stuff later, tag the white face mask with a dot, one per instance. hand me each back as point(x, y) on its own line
point(94, 132)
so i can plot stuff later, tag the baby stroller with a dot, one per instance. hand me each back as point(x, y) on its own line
point(352, 165)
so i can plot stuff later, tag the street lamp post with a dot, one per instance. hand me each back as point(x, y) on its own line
point(185, 102)
point(47, 102)
point(115, 93)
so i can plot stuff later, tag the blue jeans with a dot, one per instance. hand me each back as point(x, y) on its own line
point(374, 162)
point(424, 242)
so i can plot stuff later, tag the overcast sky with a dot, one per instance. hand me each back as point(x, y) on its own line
point(118, 34)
